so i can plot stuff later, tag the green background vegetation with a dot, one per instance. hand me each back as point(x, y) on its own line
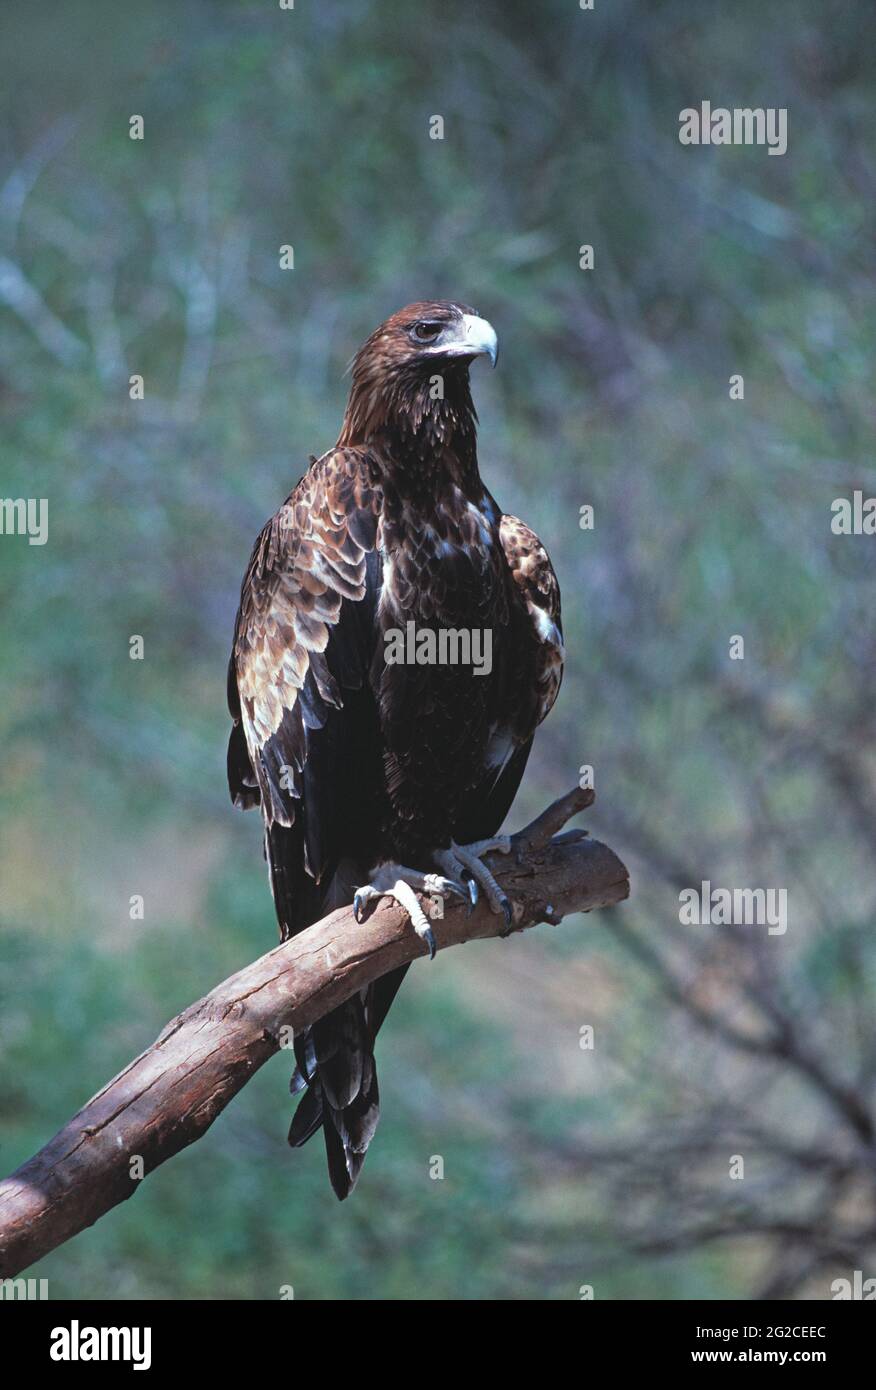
point(263, 127)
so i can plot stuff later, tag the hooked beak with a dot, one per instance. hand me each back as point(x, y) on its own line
point(470, 337)
point(479, 338)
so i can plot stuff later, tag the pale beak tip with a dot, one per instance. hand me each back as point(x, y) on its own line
point(481, 337)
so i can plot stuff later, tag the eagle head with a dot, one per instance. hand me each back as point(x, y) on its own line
point(412, 373)
point(435, 331)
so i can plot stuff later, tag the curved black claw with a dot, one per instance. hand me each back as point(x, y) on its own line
point(455, 888)
point(359, 907)
point(508, 914)
point(473, 894)
point(429, 937)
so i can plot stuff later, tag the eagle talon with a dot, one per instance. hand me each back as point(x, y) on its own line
point(447, 885)
point(466, 859)
point(429, 937)
point(402, 885)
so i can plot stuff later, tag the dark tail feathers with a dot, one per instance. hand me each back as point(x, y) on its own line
point(335, 1056)
point(337, 1072)
point(336, 1064)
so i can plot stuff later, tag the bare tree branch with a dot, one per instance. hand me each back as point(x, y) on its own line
point(169, 1096)
point(25, 300)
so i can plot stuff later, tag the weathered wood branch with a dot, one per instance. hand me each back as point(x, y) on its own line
point(169, 1096)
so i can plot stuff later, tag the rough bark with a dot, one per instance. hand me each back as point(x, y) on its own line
point(169, 1096)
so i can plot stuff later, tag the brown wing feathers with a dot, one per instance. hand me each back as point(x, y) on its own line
point(308, 560)
point(534, 576)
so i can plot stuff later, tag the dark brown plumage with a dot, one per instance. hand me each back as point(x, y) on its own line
point(356, 762)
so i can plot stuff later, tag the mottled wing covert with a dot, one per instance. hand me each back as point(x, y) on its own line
point(310, 557)
point(534, 575)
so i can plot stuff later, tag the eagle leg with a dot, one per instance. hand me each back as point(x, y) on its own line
point(467, 859)
point(397, 882)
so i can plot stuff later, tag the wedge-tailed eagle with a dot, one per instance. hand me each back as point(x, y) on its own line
point(380, 777)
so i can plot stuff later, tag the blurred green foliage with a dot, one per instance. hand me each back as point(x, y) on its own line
point(309, 127)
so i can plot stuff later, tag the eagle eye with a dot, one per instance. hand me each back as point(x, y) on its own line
point(426, 331)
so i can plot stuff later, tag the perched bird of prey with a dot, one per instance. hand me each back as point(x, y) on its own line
point(384, 762)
